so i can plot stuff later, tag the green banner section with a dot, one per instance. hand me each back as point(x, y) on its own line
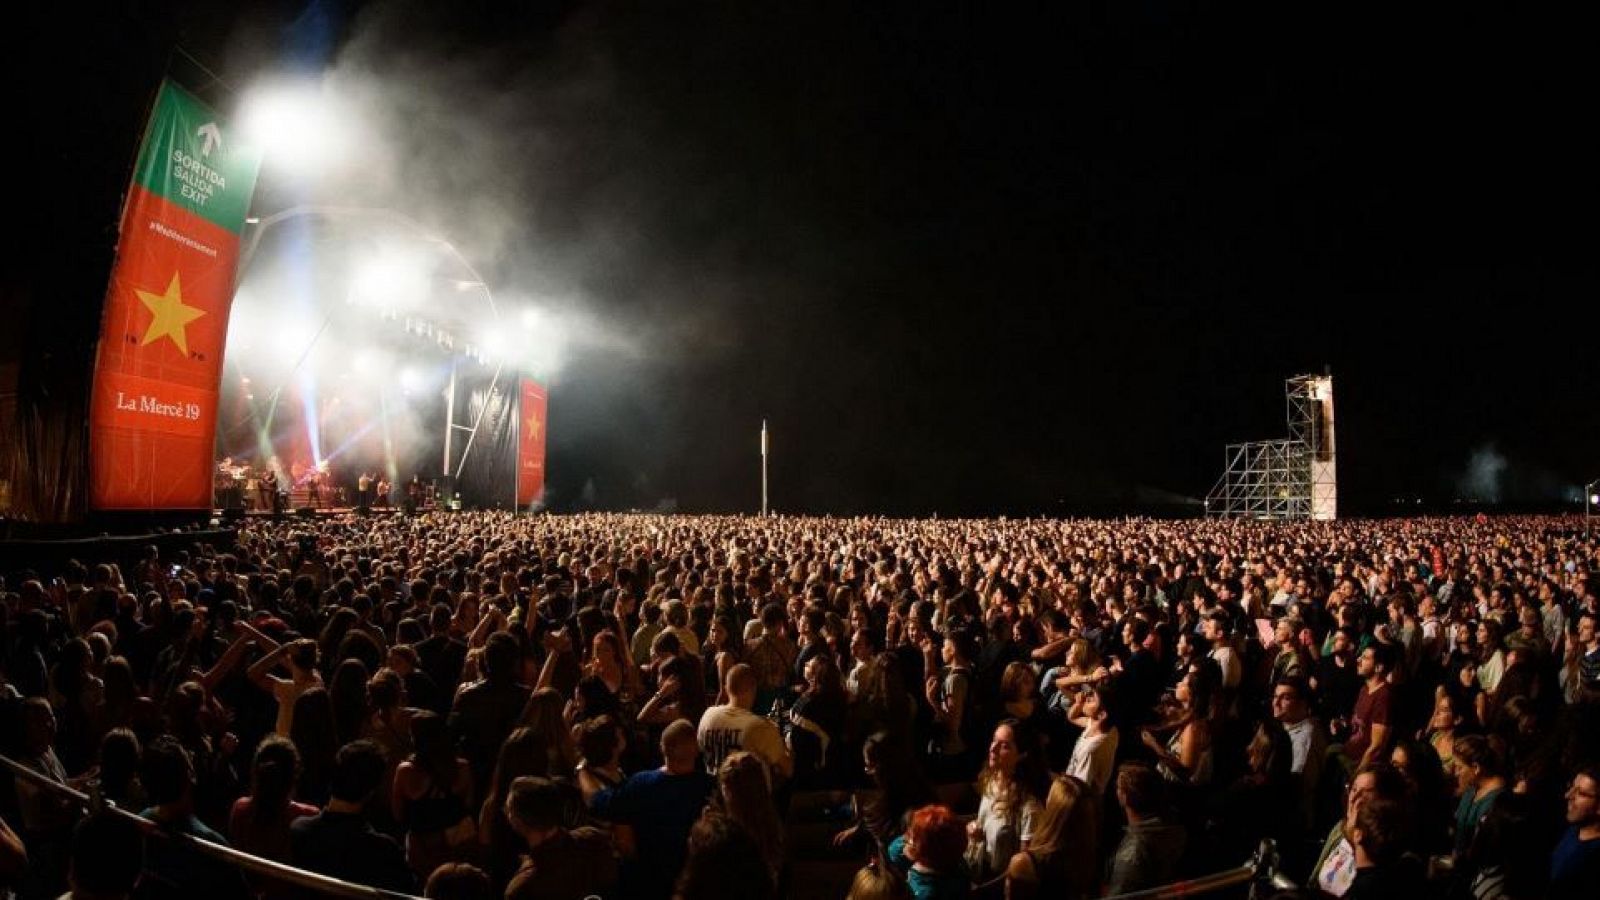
point(191, 158)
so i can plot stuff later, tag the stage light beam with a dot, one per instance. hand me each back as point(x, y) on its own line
point(298, 126)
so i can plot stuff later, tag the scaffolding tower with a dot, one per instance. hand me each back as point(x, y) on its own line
point(1293, 478)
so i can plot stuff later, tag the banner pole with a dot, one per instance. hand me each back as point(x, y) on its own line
point(449, 417)
point(516, 442)
point(764, 507)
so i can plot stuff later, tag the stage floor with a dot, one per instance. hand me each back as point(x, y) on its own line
point(318, 512)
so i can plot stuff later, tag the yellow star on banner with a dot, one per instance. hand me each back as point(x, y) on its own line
point(169, 315)
point(534, 425)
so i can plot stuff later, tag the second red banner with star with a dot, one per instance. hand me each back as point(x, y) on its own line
point(533, 407)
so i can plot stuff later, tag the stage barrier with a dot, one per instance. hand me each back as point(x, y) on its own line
point(1259, 872)
point(331, 887)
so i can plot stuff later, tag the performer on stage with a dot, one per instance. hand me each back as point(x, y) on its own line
point(363, 489)
point(269, 485)
point(228, 484)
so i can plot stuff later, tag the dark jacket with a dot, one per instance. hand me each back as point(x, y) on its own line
point(174, 869)
point(1146, 857)
point(570, 866)
point(484, 715)
point(1400, 880)
point(442, 657)
point(343, 845)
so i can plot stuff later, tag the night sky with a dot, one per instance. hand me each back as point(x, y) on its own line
point(986, 258)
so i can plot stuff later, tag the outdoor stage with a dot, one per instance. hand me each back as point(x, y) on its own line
point(319, 343)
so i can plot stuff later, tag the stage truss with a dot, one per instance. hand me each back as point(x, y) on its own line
point(1293, 478)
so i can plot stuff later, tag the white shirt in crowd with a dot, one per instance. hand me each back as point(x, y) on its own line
point(1005, 819)
point(725, 730)
point(1094, 759)
point(1228, 662)
point(1302, 735)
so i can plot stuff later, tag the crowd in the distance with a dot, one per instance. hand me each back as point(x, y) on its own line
point(480, 705)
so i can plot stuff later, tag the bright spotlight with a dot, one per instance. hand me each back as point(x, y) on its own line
point(530, 319)
point(297, 126)
point(390, 280)
point(492, 343)
point(412, 379)
point(293, 341)
point(364, 363)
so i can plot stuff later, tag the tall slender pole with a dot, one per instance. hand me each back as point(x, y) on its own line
point(449, 417)
point(764, 510)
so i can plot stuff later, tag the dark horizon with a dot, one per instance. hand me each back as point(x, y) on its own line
point(963, 261)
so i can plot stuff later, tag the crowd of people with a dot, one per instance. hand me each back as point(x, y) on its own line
point(478, 705)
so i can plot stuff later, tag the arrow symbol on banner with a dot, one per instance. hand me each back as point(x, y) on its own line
point(213, 136)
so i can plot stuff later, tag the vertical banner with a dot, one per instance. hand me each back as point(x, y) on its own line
point(153, 413)
point(489, 464)
point(530, 442)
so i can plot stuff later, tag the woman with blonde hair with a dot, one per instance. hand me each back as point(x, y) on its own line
point(1082, 667)
point(1017, 692)
point(745, 796)
point(1060, 860)
point(873, 882)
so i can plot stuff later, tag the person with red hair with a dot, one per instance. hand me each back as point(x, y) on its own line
point(930, 855)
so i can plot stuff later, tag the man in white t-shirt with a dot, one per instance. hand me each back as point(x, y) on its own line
point(1291, 707)
point(1094, 755)
point(1219, 631)
point(731, 727)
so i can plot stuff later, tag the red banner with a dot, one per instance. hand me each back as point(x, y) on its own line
point(153, 419)
point(530, 442)
point(153, 413)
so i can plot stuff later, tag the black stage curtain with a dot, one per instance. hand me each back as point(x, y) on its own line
point(489, 472)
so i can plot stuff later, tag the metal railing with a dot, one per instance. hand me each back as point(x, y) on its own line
point(1260, 871)
point(265, 868)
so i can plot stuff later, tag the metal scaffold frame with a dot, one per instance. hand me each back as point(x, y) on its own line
point(1263, 480)
point(1293, 478)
